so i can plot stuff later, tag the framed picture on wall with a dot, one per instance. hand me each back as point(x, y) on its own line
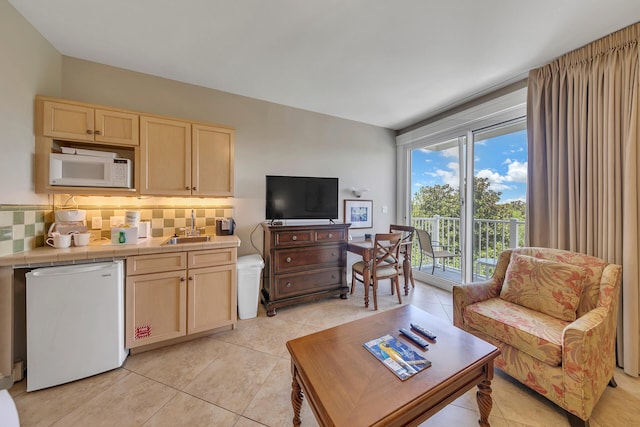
point(359, 213)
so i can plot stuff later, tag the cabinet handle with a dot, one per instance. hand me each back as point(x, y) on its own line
point(294, 237)
point(288, 259)
point(330, 235)
point(182, 279)
point(187, 188)
point(288, 285)
point(190, 277)
point(194, 188)
point(333, 254)
point(89, 132)
point(97, 132)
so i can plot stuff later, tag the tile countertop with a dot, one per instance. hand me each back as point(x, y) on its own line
point(104, 249)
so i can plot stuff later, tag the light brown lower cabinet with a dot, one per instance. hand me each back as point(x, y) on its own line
point(177, 294)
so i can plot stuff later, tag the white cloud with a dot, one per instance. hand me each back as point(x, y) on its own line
point(516, 199)
point(517, 172)
point(451, 176)
point(496, 181)
point(450, 152)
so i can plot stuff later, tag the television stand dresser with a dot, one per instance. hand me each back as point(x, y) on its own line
point(303, 263)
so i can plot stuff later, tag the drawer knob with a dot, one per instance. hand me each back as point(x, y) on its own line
point(294, 237)
point(288, 259)
point(182, 279)
point(97, 132)
point(190, 277)
point(333, 254)
point(89, 132)
point(288, 285)
point(330, 235)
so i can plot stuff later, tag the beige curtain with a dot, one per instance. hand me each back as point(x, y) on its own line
point(584, 185)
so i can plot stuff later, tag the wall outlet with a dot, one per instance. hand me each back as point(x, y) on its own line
point(116, 221)
point(96, 223)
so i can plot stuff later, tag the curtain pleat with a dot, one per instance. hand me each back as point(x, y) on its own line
point(584, 187)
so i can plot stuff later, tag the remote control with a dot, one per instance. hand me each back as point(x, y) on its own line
point(413, 337)
point(427, 333)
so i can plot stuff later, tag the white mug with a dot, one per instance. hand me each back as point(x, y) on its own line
point(81, 239)
point(61, 241)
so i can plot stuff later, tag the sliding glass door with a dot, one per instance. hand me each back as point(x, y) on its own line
point(468, 222)
point(436, 200)
point(498, 215)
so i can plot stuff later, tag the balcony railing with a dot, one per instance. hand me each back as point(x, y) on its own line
point(490, 237)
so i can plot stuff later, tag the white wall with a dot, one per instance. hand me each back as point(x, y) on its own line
point(270, 138)
point(30, 65)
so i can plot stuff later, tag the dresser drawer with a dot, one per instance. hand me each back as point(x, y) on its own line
point(290, 285)
point(298, 237)
point(307, 258)
point(325, 236)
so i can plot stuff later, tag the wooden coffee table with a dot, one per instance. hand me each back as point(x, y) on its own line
point(347, 386)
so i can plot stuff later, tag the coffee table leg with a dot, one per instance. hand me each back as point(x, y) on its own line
point(296, 400)
point(485, 402)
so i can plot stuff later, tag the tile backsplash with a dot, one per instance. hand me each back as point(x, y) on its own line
point(23, 228)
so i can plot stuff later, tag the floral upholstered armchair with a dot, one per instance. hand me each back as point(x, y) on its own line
point(553, 314)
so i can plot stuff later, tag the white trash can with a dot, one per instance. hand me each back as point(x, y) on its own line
point(249, 269)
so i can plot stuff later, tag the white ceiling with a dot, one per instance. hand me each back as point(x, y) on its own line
point(386, 63)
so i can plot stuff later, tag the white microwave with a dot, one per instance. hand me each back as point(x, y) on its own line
point(76, 170)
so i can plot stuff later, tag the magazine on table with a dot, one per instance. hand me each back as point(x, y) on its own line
point(397, 356)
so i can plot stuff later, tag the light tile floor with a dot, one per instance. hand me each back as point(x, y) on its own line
point(242, 378)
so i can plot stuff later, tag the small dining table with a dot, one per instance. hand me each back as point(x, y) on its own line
point(366, 249)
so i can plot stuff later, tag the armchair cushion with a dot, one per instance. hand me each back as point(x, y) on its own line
point(529, 331)
point(545, 286)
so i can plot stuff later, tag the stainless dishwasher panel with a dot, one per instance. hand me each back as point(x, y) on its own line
point(75, 322)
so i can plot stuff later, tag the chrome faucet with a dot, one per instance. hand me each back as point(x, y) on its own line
point(193, 231)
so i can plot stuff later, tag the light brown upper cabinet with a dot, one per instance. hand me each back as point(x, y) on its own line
point(81, 123)
point(212, 161)
point(183, 159)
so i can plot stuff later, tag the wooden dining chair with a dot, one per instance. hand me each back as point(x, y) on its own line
point(384, 265)
point(406, 247)
point(427, 247)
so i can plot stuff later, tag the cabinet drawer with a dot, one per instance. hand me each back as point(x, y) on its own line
point(307, 258)
point(290, 285)
point(330, 236)
point(211, 258)
point(287, 238)
point(156, 263)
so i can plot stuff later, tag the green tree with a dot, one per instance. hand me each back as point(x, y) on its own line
point(441, 200)
point(444, 200)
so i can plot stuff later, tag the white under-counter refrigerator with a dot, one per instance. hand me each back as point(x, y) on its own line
point(75, 322)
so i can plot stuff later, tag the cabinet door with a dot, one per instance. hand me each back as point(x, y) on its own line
point(116, 127)
point(212, 161)
point(165, 151)
point(67, 121)
point(155, 308)
point(211, 296)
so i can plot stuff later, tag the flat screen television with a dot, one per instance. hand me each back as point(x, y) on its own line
point(301, 197)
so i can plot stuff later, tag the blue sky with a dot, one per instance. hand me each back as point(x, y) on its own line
point(501, 159)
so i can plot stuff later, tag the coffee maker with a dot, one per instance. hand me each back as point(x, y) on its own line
point(69, 221)
point(225, 226)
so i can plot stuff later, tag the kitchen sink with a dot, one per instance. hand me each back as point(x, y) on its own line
point(176, 240)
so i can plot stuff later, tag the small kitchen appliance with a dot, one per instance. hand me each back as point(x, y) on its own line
point(90, 169)
point(225, 226)
point(68, 221)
